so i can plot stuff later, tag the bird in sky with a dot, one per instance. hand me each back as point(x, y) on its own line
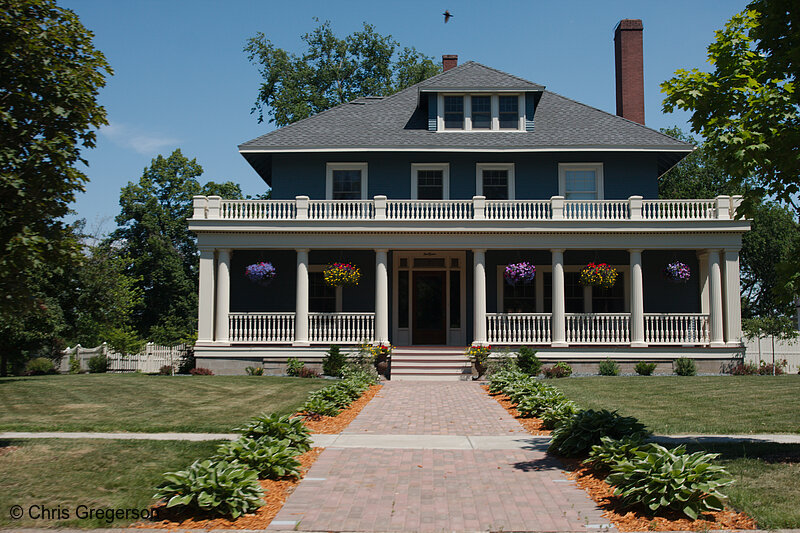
point(447, 15)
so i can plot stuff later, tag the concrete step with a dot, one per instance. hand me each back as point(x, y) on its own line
point(429, 363)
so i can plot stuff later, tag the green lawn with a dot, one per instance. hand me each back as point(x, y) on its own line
point(140, 403)
point(698, 404)
point(65, 474)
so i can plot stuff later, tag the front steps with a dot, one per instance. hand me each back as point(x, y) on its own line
point(430, 363)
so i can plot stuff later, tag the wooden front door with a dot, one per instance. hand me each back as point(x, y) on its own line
point(429, 313)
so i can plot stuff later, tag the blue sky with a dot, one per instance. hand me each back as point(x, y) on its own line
point(182, 80)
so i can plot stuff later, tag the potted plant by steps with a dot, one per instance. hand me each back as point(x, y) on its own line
point(479, 355)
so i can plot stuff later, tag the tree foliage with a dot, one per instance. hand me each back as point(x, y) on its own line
point(50, 75)
point(331, 71)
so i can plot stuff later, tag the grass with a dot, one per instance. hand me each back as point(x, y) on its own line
point(60, 475)
point(698, 404)
point(140, 403)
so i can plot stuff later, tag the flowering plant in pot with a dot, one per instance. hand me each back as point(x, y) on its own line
point(677, 272)
point(341, 274)
point(260, 273)
point(602, 275)
point(479, 355)
point(519, 273)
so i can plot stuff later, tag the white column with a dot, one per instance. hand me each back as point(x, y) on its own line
point(205, 300)
point(715, 299)
point(301, 302)
point(480, 296)
point(733, 299)
point(637, 300)
point(223, 294)
point(381, 297)
point(703, 279)
point(558, 321)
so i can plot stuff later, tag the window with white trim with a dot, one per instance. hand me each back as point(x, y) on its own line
point(481, 112)
point(508, 112)
point(580, 181)
point(346, 181)
point(322, 298)
point(495, 181)
point(454, 112)
point(430, 181)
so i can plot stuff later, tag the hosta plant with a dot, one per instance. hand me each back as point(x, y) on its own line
point(268, 457)
point(280, 428)
point(535, 404)
point(577, 435)
point(555, 415)
point(500, 380)
point(314, 408)
point(221, 488)
point(332, 394)
point(558, 370)
point(612, 451)
point(672, 479)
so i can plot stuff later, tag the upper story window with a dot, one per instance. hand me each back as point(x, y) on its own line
point(495, 181)
point(346, 181)
point(481, 112)
point(508, 112)
point(454, 112)
point(580, 181)
point(430, 181)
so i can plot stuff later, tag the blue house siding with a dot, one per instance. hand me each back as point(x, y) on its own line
point(279, 296)
point(662, 296)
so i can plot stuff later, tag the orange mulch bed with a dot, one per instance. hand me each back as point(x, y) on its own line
point(639, 518)
point(533, 426)
point(335, 424)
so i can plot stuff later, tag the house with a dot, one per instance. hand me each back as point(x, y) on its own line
point(432, 192)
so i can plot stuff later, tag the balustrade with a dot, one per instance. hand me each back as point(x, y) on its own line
point(518, 209)
point(598, 328)
point(258, 210)
point(679, 209)
point(340, 209)
point(518, 328)
point(261, 327)
point(668, 328)
point(429, 209)
point(596, 209)
point(351, 328)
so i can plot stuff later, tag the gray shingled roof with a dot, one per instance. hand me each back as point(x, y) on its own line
point(397, 123)
point(473, 75)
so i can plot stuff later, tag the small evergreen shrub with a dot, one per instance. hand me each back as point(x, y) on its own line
point(644, 369)
point(98, 364)
point(577, 435)
point(222, 488)
point(609, 367)
point(40, 366)
point(307, 372)
point(334, 362)
point(269, 458)
point(528, 362)
point(294, 366)
point(165, 370)
point(254, 370)
point(279, 428)
point(201, 371)
point(559, 370)
point(685, 366)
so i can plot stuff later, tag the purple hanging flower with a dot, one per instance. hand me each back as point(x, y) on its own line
point(677, 272)
point(519, 273)
point(260, 273)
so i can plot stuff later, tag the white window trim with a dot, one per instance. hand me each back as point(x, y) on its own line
point(321, 268)
point(562, 176)
point(444, 167)
point(495, 106)
point(480, 167)
point(330, 167)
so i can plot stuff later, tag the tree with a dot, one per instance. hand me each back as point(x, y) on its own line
point(50, 75)
point(153, 233)
point(331, 71)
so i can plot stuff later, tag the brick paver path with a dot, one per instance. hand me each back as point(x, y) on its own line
point(370, 489)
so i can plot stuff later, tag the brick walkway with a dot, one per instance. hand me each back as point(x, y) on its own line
point(370, 489)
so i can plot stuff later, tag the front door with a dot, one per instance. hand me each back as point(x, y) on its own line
point(429, 313)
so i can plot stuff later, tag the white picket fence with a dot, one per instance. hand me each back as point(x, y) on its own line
point(149, 360)
point(761, 350)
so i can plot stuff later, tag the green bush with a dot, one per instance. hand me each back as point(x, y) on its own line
point(559, 370)
point(662, 478)
point(334, 362)
point(499, 363)
point(612, 451)
point(40, 366)
point(269, 458)
point(685, 366)
point(294, 366)
point(98, 364)
point(536, 403)
point(557, 414)
point(609, 367)
point(221, 488)
point(577, 435)
point(254, 370)
point(499, 381)
point(528, 362)
point(74, 365)
point(644, 369)
point(317, 407)
point(279, 428)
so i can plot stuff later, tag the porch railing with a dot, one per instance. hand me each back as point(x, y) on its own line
point(340, 210)
point(668, 328)
point(596, 210)
point(429, 209)
point(518, 328)
point(598, 328)
point(679, 209)
point(261, 327)
point(518, 209)
point(348, 328)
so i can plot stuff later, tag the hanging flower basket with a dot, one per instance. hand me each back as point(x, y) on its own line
point(677, 272)
point(341, 275)
point(519, 273)
point(260, 273)
point(599, 275)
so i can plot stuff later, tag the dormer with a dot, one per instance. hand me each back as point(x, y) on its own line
point(473, 97)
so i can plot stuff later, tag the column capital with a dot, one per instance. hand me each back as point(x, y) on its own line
point(635, 250)
point(301, 250)
point(479, 250)
point(206, 249)
point(557, 250)
point(731, 250)
point(225, 250)
point(381, 250)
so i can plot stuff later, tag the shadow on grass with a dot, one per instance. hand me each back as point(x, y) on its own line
point(764, 451)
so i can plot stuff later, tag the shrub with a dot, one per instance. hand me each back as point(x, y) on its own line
point(74, 365)
point(315, 408)
point(744, 369)
point(500, 380)
point(612, 451)
point(578, 434)
point(293, 366)
point(279, 428)
point(334, 362)
point(500, 362)
point(221, 488)
point(254, 370)
point(557, 414)
point(165, 370)
point(685, 366)
point(307, 372)
point(269, 458)
point(201, 371)
point(609, 367)
point(670, 478)
point(535, 403)
point(644, 369)
point(528, 362)
point(40, 366)
point(766, 369)
point(559, 370)
point(98, 364)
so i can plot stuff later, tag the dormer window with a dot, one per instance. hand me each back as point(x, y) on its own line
point(481, 112)
point(454, 112)
point(509, 112)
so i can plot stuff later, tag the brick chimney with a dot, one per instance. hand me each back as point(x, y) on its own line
point(449, 61)
point(629, 63)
